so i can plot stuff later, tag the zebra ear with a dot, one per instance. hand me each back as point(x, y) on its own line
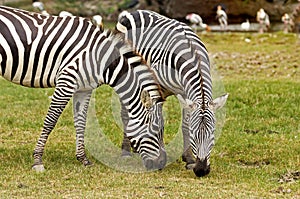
point(121, 28)
point(186, 103)
point(218, 103)
point(146, 99)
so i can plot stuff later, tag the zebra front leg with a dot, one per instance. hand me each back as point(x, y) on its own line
point(59, 101)
point(126, 147)
point(187, 155)
point(81, 101)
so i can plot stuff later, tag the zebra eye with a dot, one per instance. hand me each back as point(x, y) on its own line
point(187, 118)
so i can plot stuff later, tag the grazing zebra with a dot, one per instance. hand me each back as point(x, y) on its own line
point(181, 64)
point(74, 56)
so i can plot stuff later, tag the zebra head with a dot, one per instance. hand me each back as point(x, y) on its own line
point(201, 128)
point(147, 138)
point(140, 96)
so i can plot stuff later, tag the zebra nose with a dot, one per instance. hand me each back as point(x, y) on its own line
point(162, 159)
point(201, 167)
point(149, 164)
point(158, 163)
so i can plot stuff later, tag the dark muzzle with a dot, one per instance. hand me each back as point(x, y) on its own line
point(158, 163)
point(201, 168)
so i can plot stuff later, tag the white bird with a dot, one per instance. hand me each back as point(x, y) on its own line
point(40, 7)
point(245, 25)
point(197, 21)
point(65, 14)
point(97, 20)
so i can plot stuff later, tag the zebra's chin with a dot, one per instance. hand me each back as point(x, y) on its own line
point(201, 168)
point(158, 163)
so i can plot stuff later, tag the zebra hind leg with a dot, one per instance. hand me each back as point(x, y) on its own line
point(81, 101)
point(59, 101)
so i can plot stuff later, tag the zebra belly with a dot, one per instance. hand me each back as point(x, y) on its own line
point(37, 81)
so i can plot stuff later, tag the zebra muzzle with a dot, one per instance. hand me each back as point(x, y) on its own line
point(201, 168)
point(158, 163)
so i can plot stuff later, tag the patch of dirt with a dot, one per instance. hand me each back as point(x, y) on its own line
point(282, 190)
point(255, 131)
point(257, 163)
point(252, 63)
point(251, 131)
point(289, 177)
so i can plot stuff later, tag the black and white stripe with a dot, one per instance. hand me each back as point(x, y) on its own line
point(181, 64)
point(75, 57)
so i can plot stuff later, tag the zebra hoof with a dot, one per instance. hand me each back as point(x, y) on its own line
point(190, 166)
point(87, 163)
point(126, 154)
point(38, 168)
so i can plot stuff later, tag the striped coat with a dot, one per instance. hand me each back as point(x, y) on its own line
point(181, 64)
point(75, 57)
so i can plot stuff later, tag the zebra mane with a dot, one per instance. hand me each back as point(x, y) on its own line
point(196, 54)
point(119, 42)
point(198, 58)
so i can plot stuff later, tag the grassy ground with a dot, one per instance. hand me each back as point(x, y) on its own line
point(256, 156)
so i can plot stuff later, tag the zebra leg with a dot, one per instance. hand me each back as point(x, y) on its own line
point(126, 147)
point(187, 155)
point(60, 98)
point(81, 101)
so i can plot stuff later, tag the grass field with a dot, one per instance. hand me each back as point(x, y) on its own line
point(257, 155)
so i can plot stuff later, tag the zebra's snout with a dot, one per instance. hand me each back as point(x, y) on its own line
point(201, 168)
point(157, 164)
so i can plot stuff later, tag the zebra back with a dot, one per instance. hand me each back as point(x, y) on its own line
point(33, 46)
point(168, 44)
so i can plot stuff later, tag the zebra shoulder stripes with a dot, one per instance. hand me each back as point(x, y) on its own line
point(75, 57)
point(181, 64)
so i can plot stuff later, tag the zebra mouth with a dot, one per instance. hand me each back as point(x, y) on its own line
point(158, 163)
point(201, 168)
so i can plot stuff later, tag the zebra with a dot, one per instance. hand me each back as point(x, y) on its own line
point(74, 56)
point(181, 64)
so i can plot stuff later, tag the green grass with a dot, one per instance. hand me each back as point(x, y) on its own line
point(256, 156)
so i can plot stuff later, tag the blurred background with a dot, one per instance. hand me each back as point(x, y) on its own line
point(237, 10)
